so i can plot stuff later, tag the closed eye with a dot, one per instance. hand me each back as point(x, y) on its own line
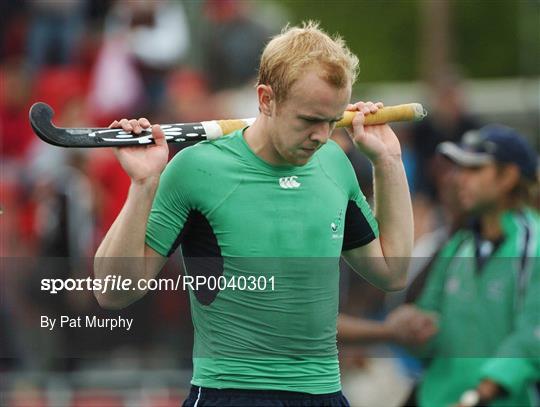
point(314, 120)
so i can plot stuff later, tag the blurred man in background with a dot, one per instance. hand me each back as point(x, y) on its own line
point(485, 283)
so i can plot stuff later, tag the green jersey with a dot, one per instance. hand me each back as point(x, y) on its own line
point(487, 296)
point(273, 235)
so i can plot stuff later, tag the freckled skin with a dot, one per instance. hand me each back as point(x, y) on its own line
point(303, 122)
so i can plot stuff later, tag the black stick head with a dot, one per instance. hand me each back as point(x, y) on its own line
point(41, 115)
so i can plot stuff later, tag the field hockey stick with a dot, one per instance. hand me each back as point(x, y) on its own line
point(41, 116)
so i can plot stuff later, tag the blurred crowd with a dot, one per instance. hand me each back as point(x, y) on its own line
point(92, 62)
point(95, 61)
point(169, 61)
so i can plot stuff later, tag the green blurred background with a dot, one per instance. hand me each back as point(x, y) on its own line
point(488, 38)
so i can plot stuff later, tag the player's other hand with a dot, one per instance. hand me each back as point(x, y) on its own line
point(142, 163)
point(377, 142)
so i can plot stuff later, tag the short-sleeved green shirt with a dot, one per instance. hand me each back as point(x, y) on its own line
point(238, 217)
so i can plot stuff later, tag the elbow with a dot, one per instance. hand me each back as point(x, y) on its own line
point(108, 296)
point(395, 283)
point(116, 299)
point(109, 302)
point(396, 271)
point(394, 286)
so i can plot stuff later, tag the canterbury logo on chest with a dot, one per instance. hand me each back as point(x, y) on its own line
point(289, 182)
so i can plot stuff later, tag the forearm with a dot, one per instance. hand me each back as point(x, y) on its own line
point(126, 236)
point(393, 210)
point(122, 251)
point(362, 330)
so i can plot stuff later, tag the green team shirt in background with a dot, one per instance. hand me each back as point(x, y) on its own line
point(489, 315)
point(234, 216)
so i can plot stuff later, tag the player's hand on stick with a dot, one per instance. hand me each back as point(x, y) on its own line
point(377, 142)
point(142, 163)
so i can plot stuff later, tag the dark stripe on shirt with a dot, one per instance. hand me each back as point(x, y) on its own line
point(358, 231)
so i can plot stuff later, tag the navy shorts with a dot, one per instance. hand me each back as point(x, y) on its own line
point(205, 397)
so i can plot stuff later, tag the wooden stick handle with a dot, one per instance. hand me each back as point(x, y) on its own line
point(388, 114)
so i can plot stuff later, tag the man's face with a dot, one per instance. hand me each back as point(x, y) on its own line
point(477, 188)
point(303, 122)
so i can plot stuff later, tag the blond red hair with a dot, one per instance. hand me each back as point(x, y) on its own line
point(287, 56)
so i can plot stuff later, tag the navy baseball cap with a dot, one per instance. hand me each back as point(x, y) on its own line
point(493, 143)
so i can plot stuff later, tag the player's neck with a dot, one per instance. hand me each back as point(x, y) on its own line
point(259, 140)
point(491, 227)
